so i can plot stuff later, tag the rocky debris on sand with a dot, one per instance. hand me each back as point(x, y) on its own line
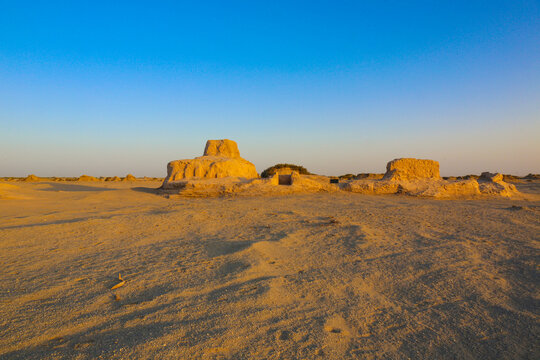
point(421, 178)
point(275, 185)
point(487, 176)
point(493, 184)
point(512, 178)
point(368, 176)
point(376, 187)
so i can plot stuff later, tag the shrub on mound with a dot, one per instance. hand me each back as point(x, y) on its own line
point(276, 169)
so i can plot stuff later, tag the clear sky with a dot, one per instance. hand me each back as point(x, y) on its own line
point(114, 87)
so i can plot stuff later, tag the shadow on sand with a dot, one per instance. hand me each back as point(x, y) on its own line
point(73, 187)
point(147, 190)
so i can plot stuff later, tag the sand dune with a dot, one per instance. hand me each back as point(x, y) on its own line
point(329, 276)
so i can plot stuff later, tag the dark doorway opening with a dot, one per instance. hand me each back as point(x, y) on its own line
point(285, 179)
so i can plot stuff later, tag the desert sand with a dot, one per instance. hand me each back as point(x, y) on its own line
point(332, 275)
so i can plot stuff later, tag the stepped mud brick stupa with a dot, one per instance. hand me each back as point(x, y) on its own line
point(221, 159)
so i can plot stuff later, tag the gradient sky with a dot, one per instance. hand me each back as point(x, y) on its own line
point(115, 87)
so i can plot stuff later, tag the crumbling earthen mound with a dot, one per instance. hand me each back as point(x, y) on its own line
point(421, 178)
point(87, 178)
point(493, 184)
point(408, 169)
point(210, 167)
point(224, 148)
point(31, 178)
point(224, 161)
point(129, 177)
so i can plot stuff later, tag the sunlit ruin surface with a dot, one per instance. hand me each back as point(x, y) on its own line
point(223, 172)
point(221, 159)
point(215, 262)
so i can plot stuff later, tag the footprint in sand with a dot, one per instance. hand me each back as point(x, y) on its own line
point(283, 335)
point(337, 325)
point(332, 329)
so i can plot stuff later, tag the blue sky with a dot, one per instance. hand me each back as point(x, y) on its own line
point(109, 88)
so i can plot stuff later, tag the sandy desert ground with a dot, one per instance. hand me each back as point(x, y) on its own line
point(329, 276)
